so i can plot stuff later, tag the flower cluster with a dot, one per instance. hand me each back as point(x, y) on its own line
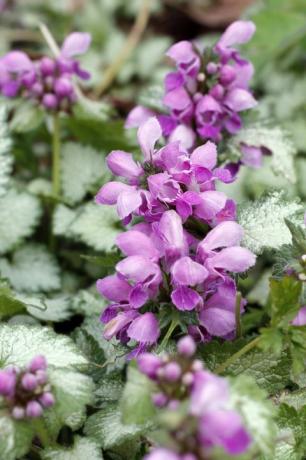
point(47, 81)
point(26, 392)
point(207, 421)
point(208, 91)
point(172, 256)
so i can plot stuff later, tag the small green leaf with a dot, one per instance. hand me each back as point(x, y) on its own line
point(285, 299)
point(9, 305)
point(136, 403)
point(83, 448)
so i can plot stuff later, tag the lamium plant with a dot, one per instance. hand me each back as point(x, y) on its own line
point(152, 241)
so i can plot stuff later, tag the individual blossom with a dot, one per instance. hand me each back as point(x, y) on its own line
point(207, 93)
point(202, 399)
point(47, 81)
point(26, 393)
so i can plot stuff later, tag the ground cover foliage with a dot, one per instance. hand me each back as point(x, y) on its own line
point(184, 240)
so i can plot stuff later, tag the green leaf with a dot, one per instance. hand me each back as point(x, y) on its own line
point(257, 411)
point(105, 135)
point(285, 300)
point(88, 109)
point(83, 448)
point(296, 399)
point(106, 428)
point(32, 269)
point(15, 437)
point(19, 214)
point(136, 402)
point(96, 226)
point(276, 140)
point(82, 168)
point(263, 222)
point(9, 305)
point(6, 159)
point(152, 98)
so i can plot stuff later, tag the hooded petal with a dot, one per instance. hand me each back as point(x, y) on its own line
point(223, 235)
point(239, 99)
point(115, 325)
point(114, 288)
point(75, 44)
point(185, 135)
point(144, 329)
point(177, 99)
point(237, 33)
point(133, 243)
point(128, 202)
point(251, 156)
point(234, 259)
point(17, 62)
point(185, 298)
point(138, 269)
point(109, 193)
point(170, 230)
point(211, 203)
point(205, 155)
point(209, 392)
point(138, 296)
point(148, 134)
point(187, 272)
point(218, 322)
point(224, 428)
point(300, 319)
point(122, 164)
point(137, 116)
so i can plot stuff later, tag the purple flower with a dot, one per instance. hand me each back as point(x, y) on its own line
point(162, 454)
point(47, 81)
point(26, 392)
point(300, 319)
point(205, 102)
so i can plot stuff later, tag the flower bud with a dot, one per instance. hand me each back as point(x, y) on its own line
point(159, 399)
point(28, 79)
point(172, 372)
point(41, 377)
point(47, 399)
point(188, 457)
point(29, 382)
point(37, 89)
point(197, 365)
point(18, 413)
point(7, 382)
point(149, 364)
point(227, 75)
point(63, 87)
point(217, 92)
point(49, 101)
point(38, 363)
point(188, 379)
point(173, 404)
point(34, 409)
point(186, 346)
point(211, 68)
point(47, 66)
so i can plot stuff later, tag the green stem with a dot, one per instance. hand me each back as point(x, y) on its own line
point(249, 346)
point(238, 315)
point(56, 160)
point(42, 433)
point(169, 332)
